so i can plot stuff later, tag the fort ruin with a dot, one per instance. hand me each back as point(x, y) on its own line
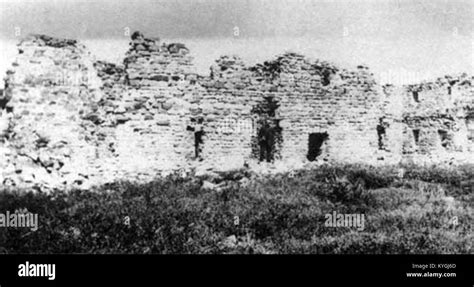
point(69, 120)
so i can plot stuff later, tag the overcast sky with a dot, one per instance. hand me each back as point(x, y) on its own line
point(423, 37)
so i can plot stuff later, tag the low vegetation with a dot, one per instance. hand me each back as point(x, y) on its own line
point(420, 210)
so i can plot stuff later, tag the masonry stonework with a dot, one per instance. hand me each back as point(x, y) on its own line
point(69, 120)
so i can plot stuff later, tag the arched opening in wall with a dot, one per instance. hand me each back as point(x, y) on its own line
point(416, 136)
point(416, 96)
point(315, 143)
point(444, 138)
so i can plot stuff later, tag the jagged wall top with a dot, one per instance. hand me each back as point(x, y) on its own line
point(154, 110)
point(149, 62)
point(44, 40)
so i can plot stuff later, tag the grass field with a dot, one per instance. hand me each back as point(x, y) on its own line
point(427, 210)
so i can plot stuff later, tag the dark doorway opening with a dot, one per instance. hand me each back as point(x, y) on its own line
point(268, 139)
point(416, 97)
point(268, 135)
point(198, 144)
point(196, 127)
point(315, 142)
point(381, 136)
point(443, 136)
point(470, 126)
point(416, 135)
point(3, 103)
point(381, 133)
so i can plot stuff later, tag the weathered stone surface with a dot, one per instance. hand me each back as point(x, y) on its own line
point(68, 120)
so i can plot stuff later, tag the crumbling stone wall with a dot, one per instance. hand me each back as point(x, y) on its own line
point(51, 87)
point(149, 113)
point(432, 123)
point(312, 97)
point(67, 119)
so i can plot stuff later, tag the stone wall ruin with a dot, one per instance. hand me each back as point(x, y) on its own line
point(69, 120)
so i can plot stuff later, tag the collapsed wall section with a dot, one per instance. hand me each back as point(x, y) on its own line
point(226, 109)
point(433, 125)
point(50, 87)
point(156, 115)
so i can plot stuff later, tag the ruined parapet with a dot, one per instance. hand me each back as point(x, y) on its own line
point(38, 40)
point(149, 62)
point(68, 120)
